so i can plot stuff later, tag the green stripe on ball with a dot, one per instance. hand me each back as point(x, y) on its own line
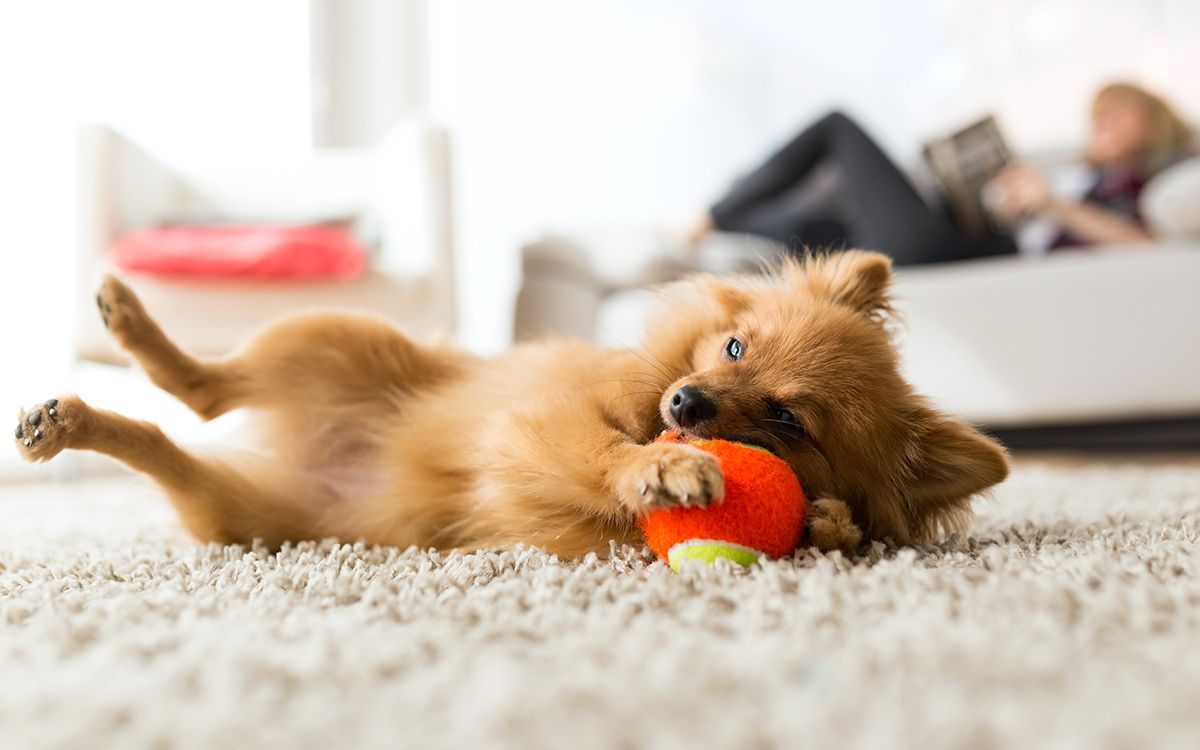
point(709, 551)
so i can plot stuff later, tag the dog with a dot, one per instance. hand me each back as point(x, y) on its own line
point(368, 435)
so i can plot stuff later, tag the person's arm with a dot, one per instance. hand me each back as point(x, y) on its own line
point(1094, 224)
point(1021, 190)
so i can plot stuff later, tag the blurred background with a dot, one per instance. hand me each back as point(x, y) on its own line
point(508, 169)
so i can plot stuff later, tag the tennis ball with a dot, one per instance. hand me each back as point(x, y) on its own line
point(762, 514)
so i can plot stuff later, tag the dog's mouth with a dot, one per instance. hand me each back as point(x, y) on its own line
point(700, 433)
point(704, 431)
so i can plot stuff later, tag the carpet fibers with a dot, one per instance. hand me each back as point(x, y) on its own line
point(1069, 616)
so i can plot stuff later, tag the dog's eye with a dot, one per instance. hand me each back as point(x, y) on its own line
point(785, 415)
point(787, 420)
point(734, 349)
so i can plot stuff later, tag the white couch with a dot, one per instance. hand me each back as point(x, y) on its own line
point(1069, 338)
point(1045, 351)
point(396, 196)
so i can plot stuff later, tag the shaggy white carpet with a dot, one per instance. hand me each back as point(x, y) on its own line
point(1068, 617)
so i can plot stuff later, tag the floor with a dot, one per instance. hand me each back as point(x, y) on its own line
point(1067, 617)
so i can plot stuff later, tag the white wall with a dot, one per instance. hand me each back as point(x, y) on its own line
point(188, 79)
point(582, 113)
point(369, 66)
point(600, 112)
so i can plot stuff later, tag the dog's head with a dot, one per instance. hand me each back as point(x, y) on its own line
point(802, 362)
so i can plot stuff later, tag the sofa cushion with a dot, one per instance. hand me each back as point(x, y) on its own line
point(1171, 201)
point(251, 252)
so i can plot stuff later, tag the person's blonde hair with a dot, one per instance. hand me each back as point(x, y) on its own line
point(1170, 134)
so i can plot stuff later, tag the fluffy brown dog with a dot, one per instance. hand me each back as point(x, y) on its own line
point(368, 435)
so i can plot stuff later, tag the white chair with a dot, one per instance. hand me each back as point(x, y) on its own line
point(396, 197)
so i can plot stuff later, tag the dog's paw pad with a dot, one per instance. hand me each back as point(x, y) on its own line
point(119, 309)
point(41, 432)
point(104, 308)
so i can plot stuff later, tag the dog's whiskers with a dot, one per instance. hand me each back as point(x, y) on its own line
point(660, 386)
point(648, 358)
point(791, 426)
point(634, 393)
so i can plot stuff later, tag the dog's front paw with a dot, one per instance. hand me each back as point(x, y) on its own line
point(831, 526)
point(670, 475)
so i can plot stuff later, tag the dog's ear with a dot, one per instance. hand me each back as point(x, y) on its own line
point(946, 462)
point(857, 279)
point(731, 295)
point(711, 296)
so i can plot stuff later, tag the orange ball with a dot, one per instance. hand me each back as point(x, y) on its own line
point(763, 511)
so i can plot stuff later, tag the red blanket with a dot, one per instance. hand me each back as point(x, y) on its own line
point(244, 252)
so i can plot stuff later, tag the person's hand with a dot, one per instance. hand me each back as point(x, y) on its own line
point(1018, 191)
point(698, 230)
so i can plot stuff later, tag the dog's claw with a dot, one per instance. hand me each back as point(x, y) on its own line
point(675, 476)
point(37, 434)
point(27, 442)
point(104, 310)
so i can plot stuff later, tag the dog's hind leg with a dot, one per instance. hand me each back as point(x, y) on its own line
point(228, 501)
point(202, 386)
point(304, 362)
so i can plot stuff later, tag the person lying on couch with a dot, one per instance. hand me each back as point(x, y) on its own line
point(1135, 135)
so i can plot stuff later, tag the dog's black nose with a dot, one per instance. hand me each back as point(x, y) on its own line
point(690, 407)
